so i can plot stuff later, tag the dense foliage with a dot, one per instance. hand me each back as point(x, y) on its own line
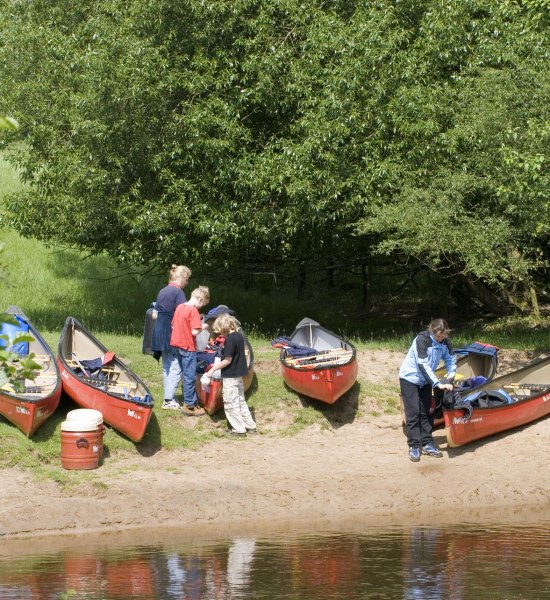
point(279, 132)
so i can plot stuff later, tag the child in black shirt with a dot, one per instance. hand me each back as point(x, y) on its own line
point(233, 368)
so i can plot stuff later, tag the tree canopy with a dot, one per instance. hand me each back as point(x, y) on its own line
point(271, 131)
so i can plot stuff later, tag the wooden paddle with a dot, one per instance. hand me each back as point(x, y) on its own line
point(529, 386)
point(328, 355)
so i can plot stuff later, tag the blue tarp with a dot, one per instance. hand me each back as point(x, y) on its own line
point(11, 331)
point(293, 349)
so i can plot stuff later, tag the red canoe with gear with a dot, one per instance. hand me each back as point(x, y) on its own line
point(95, 378)
point(316, 362)
point(504, 403)
point(210, 396)
point(28, 408)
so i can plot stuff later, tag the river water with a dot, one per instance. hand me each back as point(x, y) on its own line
point(463, 561)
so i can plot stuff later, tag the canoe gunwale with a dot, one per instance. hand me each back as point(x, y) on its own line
point(98, 387)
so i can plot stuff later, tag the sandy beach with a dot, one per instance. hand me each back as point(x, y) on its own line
point(323, 476)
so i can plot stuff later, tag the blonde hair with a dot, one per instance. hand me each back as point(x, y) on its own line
point(201, 294)
point(179, 274)
point(225, 324)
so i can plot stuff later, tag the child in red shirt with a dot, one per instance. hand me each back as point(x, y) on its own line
point(186, 325)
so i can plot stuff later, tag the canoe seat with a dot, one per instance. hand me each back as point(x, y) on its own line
point(111, 373)
point(44, 360)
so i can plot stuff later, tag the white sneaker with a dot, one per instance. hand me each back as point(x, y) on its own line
point(170, 405)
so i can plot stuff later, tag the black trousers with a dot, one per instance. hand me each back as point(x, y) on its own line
point(417, 401)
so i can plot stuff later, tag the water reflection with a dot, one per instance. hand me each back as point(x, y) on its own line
point(423, 576)
point(428, 563)
point(239, 564)
point(319, 565)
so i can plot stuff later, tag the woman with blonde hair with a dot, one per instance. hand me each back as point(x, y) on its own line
point(233, 368)
point(168, 299)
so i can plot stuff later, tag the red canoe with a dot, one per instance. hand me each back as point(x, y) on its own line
point(325, 375)
point(112, 388)
point(30, 408)
point(529, 393)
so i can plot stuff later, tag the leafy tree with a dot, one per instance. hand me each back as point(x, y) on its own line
point(268, 131)
point(472, 202)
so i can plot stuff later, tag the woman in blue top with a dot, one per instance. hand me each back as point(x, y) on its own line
point(417, 380)
point(168, 298)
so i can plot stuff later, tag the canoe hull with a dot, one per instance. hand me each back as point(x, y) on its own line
point(327, 376)
point(529, 387)
point(29, 416)
point(485, 422)
point(129, 418)
point(326, 385)
point(128, 415)
point(29, 412)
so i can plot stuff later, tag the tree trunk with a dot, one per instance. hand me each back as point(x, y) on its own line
point(533, 301)
point(480, 294)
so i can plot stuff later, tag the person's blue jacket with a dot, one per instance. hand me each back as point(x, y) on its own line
point(424, 357)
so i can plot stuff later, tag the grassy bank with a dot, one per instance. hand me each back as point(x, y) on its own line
point(51, 283)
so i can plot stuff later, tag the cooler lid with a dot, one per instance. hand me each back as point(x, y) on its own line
point(89, 416)
point(80, 426)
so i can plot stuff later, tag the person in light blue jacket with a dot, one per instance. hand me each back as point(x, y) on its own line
point(417, 380)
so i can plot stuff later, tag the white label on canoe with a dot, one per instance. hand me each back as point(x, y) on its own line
point(464, 421)
point(339, 373)
point(23, 410)
point(134, 414)
point(95, 449)
point(314, 377)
